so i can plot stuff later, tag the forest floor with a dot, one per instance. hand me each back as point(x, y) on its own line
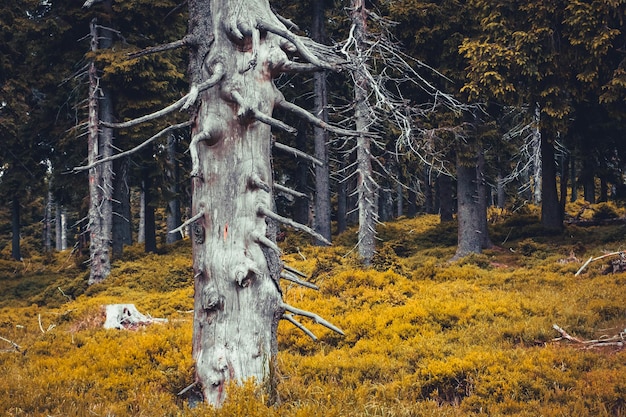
point(423, 336)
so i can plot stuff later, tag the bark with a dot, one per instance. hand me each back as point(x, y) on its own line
point(366, 186)
point(16, 252)
point(141, 232)
point(468, 212)
point(173, 205)
point(574, 184)
point(500, 191)
point(342, 201)
point(101, 176)
point(551, 215)
point(322, 173)
point(238, 302)
point(399, 200)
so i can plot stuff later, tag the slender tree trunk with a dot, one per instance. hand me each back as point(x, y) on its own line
point(399, 200)
point(16, 252)
point(141, 231)
point(342, 201)
point(322, 173)
point(47, 223)
point(173, 205)
point(500, 191)
point(100, 177)
point(551, 216)
point(412, 198)
point(60, 227)
point(366, 186)
point(563, 182)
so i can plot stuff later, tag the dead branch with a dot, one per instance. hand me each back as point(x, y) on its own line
point(292, 278)
point(617, 340)
point(159, 48)
point(135, 149)
point(313, 316)
point(298, 153)
point(180, 228)
point(287, 190)
point(592, 259)
point(15, 345)
point(268, 213)
point(300, 326)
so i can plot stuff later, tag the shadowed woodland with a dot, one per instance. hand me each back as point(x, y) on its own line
point(370, 208)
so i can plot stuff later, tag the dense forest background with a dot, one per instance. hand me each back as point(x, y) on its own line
point(516, 108)
point(537, 90)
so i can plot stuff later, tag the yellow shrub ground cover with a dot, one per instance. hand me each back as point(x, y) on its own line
point(423, 337)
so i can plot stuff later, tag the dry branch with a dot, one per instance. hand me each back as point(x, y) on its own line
point(291, 277)
point(313, 316)
point(592, 259)
point(15, 345)
point(300, 326)
point(297, 153)
point(284, 220)
point(617, 340)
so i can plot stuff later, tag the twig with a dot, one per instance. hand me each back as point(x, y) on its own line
point(592, 259)
point(617, 340)
point(15, 345)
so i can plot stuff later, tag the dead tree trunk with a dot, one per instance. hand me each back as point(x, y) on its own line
point(240, 45)
point(366, 186)
point(100, 176)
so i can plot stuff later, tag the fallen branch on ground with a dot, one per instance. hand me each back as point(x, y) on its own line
point(592, 259)
point(604, 341)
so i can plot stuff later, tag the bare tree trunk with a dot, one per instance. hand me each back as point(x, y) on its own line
point(47, 223)
point(342, 201)
point(322, 172)
point(60, 227)
point(366, 186)
point(149, 231)
point(481, 192)
point(101, 176)
point(238, 301)
point(141, 231)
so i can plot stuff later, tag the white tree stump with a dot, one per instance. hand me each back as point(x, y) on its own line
point(126, 316)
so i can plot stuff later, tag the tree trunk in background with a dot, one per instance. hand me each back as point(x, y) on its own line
point(47, 223)
point(481, 193)
point(141, 231)
point(564, 178)
point(16, 252)
point(322, 173)
point(411, 210)
point(588, 179)
point(551, 215)
point(604, 191)
point(470, 239)
point(122, 226)
point(302, 209)
point(446, 198)
point(100, 141)
point(173, 219)
point(500, 191)
point(399, 200)
point(60, 227)
point(149, 231)
point(429, 198)
point(573, 180)
point(342, 200)
point(366, 186)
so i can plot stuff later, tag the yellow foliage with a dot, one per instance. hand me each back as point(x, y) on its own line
point(423, 337)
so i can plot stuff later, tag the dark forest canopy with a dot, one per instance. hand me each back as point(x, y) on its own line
point(529, 69)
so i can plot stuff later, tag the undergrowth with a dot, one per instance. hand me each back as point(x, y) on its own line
point(423, 336)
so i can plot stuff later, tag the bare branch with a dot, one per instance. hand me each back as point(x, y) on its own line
point(159, 48)
point(15, 345)
point(295, 271)
point(180, 228)
point(313, 316)
point(291, 277)
point(306, 115)
point(135, 149)
point(298, 153)
point(300, 326)
point(260, 116)
point(268, 213)
point(282, 188)
point(181, 103)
